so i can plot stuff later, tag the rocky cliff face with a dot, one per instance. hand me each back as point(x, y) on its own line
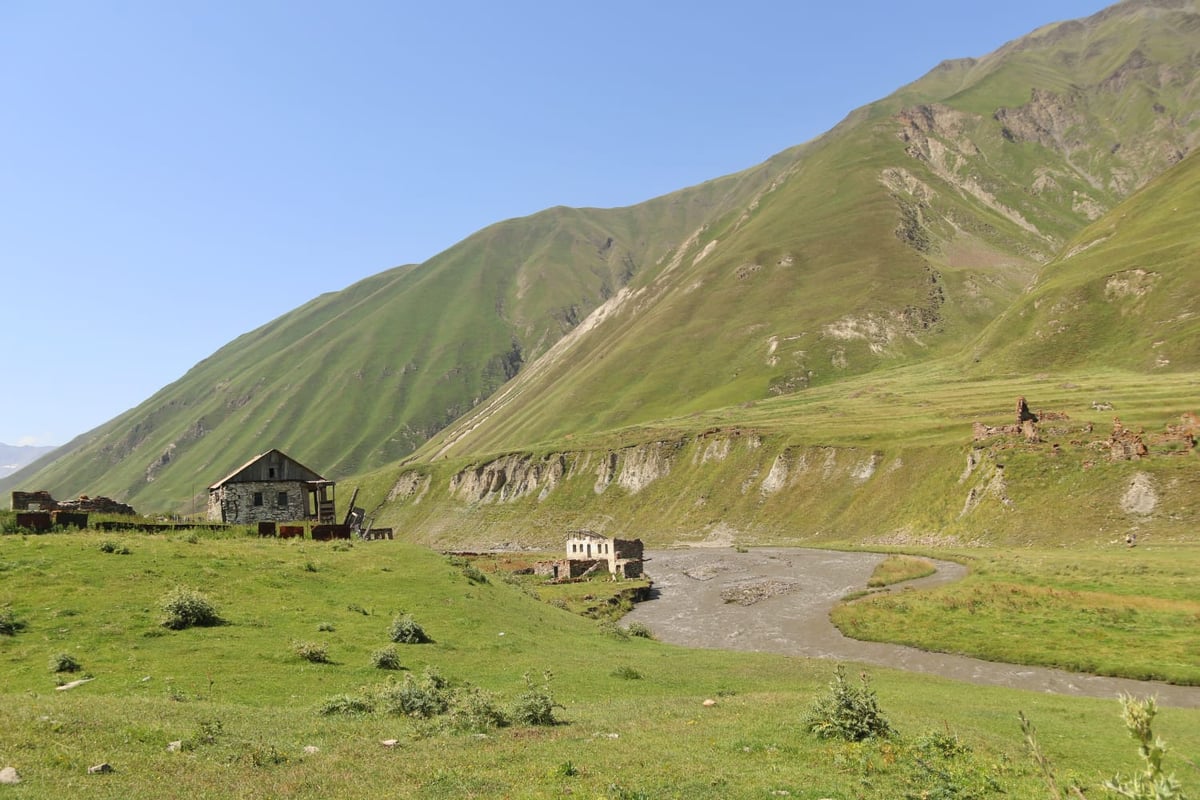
point(741, 486)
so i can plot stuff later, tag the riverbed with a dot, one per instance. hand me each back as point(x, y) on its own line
point(778, 600)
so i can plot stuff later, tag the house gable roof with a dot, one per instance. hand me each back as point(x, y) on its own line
point(292, 470)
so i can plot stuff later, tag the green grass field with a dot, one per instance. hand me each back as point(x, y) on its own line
point(632, 722)
point(1125, 612)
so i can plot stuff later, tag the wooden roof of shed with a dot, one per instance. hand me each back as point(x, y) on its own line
point(238, 475)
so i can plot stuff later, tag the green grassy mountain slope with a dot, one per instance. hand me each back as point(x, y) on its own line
point(892, 241)
point(895, 238)
point(358, 378)
point(1125, 293)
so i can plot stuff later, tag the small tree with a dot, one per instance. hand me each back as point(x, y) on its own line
point(848, 712)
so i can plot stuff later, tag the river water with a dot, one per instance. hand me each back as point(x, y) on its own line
point(788, 593)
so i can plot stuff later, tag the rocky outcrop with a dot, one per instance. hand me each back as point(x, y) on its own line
point(1140, 498)
point(409, 486)
point(642, 465)
point(509, 478)
point(940, 137)
point(991, 484)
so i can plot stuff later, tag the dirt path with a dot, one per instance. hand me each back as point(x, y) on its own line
point(778, 600)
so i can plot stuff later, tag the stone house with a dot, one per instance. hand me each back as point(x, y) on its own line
point(587, 552)
point(271, 487)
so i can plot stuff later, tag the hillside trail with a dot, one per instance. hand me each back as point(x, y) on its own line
point(782, 598)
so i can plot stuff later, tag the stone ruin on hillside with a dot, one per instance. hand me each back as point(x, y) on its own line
point(1123, 444)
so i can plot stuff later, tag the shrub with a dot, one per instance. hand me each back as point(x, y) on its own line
point(9, 624)
point(186, 608)
point(325, 627)
point(535, 706)
point(317, 653)
point(421, 698)
point(627, 672)
point(406, 630)
point(112, 547)
point(64, 662)
point(640, 630)
point(386, 658)
point(474, 710)
point(346, 704)
point(209, 731)
point(474, 574)
point(848, 712)
point(613, 630)
point(940, 765)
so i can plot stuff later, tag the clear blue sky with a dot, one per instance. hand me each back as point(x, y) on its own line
point(174, 173)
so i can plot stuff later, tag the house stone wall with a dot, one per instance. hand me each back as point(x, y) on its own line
point(233, 503)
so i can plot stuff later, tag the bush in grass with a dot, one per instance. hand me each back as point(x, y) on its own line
point(627, 672)
point(613, 630)
point(9, 624)
point(317, 653)
point(474, 574)
point(112, 547)
point(348, 704)
point(640, 630)
point(326, 627)
point(848, 712)
point(535, 706)
point(209, 731)
point(421, 698)
point(940, 765)
point(474, 710)
point(187, 608)
point(64, 662)
point(406, 630)
point(386, 658)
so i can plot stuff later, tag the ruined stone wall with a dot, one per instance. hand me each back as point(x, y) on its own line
point(43, 501)
point(564, 569)
point(627, 548)
point(33, 501)
point(234, 503)
point(629, 569)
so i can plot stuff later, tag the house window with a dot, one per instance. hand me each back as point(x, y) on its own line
point(270, 472)
point(281, 500)
point(258, 498)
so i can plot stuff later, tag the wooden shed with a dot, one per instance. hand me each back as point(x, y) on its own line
point(271, 487)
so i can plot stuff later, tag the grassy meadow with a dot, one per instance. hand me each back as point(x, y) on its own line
point(630, 712)
point(1125, 612)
